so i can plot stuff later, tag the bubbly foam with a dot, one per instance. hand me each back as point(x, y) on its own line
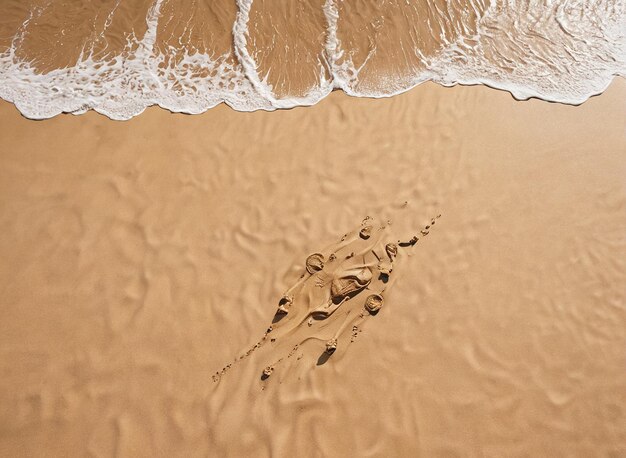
point(559, 51)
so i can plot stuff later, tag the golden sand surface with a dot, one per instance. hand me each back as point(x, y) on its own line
point(142, 258)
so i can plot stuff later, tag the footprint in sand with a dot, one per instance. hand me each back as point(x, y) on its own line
point(340, 288)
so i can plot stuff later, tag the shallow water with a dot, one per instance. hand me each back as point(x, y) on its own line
point(120, 57)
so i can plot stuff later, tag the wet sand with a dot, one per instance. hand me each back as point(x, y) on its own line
point(187, 56)
point(140, 258)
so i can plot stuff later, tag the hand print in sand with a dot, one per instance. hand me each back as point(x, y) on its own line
point(340, 289)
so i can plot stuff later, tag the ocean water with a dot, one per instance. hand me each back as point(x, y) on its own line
point(118, 58)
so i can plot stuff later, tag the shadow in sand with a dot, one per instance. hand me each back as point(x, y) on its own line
point(323, 358)
point(278, 316)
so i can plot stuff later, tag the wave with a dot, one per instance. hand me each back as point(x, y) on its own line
point(255, 54)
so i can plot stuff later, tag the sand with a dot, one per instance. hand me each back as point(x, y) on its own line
point(141, 258)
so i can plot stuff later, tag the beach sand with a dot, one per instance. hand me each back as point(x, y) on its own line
point(142, 258)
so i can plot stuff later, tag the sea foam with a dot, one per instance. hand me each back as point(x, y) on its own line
point(563, 51)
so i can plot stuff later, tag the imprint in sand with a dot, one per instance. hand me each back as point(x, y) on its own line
point(340, 288)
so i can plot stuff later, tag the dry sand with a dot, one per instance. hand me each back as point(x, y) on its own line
point(140, 258)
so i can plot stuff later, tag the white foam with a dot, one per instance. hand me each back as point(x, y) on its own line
point(123, 86)
point(563, 52)
point(250, 67)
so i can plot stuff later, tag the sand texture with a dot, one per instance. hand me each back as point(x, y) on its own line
point(247, 284)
